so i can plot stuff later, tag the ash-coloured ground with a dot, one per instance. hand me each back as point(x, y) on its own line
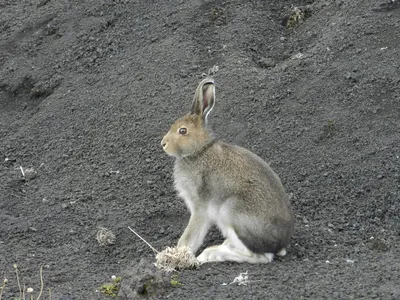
point(88, 89)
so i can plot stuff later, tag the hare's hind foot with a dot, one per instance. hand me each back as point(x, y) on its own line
point(224, 253)
point(281, 252)
point(233, 250)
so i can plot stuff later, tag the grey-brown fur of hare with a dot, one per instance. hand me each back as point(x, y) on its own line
point(228, 186)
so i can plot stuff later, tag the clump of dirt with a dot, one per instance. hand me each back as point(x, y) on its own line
point(143, 281)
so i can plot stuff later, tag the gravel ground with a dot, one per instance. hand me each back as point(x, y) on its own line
point(88, 89)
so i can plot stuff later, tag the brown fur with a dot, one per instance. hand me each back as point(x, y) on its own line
point(227, 185)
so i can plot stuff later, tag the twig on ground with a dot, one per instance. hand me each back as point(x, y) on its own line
point(152, 248)
point(22, 171)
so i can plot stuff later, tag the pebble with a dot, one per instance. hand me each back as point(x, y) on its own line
point(266, 62)
point(30, 173)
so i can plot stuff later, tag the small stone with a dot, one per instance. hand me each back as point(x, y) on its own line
point(9, 161)
point(266, 62)
point(183, 73)
point(302, 100)
point(379, 245)
point(277, 110)
point(330, 225)
point(30, 174)
point(284, 67)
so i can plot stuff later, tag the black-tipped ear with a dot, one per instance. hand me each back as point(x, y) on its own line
point(204, 99)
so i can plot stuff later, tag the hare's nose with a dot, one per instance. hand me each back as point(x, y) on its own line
point(163, 143)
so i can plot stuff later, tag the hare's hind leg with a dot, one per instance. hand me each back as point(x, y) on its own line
point(233, 250)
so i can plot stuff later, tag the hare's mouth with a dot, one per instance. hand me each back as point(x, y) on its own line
point(171, 153)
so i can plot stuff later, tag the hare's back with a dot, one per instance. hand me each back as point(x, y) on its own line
point(249, 165)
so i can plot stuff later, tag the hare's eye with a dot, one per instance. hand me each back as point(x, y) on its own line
point(182, 130)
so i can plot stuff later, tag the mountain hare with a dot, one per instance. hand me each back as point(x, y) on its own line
point(228, 186)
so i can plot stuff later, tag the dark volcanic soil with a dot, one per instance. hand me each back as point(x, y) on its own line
point(88, 88)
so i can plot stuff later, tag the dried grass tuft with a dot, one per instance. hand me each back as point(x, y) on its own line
point(176, 259)
point(173, 258)
point(105, 237)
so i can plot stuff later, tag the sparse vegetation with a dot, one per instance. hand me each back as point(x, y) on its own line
point(111, 288)
point(24, 292)
point(3, 286)
point(175, 281)
point(331, 124)
point(296, 17)
point(329, 129)
point(218, 15)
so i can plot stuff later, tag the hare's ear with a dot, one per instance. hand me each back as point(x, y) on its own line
point(204, 99)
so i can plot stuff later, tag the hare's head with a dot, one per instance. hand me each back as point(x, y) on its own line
point(189, 135)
